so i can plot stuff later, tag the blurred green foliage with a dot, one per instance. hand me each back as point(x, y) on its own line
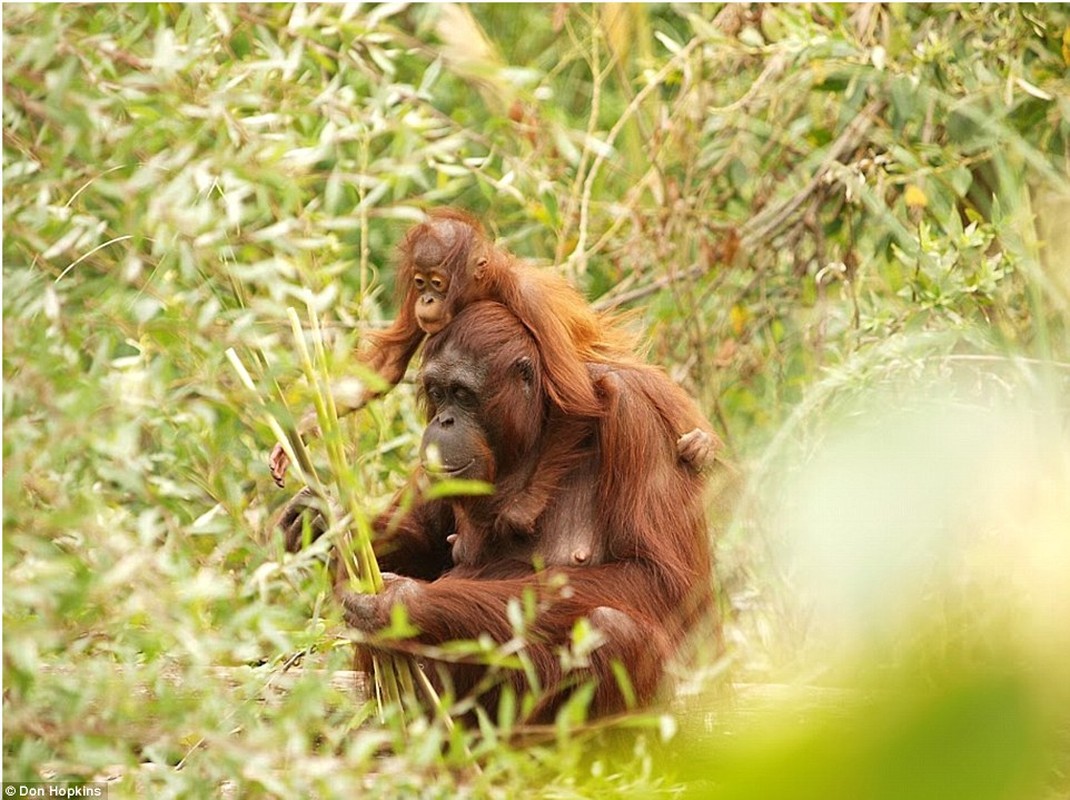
point(804, 203)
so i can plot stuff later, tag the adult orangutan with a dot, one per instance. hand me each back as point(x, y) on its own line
point(623, 544)
point(446, 264)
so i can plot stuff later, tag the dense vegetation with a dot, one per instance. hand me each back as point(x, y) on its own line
point(843, 227)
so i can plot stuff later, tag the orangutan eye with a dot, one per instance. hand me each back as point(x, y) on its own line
point(464, 397)
point(438, 283)
point(419, 282)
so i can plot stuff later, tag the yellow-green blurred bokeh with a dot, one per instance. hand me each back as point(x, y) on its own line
point(923, 540)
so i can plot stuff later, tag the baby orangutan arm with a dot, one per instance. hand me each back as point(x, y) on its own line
point(349, 395)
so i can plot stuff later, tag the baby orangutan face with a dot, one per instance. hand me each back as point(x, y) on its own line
point(432, 312)
point(438, 253)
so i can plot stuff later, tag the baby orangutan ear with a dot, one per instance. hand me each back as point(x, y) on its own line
point(480, 268)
